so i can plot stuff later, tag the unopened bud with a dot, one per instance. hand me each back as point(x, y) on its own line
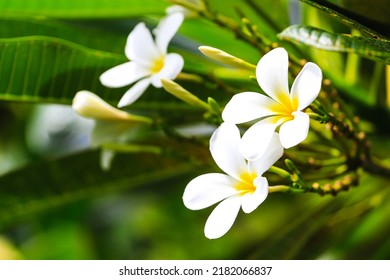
point(290, 165)
point(89, 105)
point(214, 106)
point(183, 94)
point(226, 58)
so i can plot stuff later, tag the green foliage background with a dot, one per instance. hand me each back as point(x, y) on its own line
point(59, 204)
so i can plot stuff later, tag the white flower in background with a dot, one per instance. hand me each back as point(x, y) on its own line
point(241, 187)
point(55, 130)
point(149, 60)
point(279, 108)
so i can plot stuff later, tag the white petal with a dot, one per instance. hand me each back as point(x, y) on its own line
point(295, 131)
point(166, 29)
point(140, 46)
point(251, 201)
point(247, 106)
point(256, 139)
point(272, 74)
point(173, 64)
point(134, 92)
point(89, 105)
point(222, 217)
point(224, 147)
point(208, 189)
point(307, 85)
point(271, 155)
point(123, 75)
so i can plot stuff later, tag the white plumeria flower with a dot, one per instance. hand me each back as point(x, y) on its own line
point(279, 108)
point(243, 185)
point(149, 60)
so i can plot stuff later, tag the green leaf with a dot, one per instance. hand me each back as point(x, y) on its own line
point(376, 11)
point(71, 9)
point(44, 69)
point(52, 183)
point(364, 46)
point(348, 18)
point(108, 35)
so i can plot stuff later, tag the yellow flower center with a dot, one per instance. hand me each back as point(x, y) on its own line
point(157, 65)
point(285, 110)
point(246, 184)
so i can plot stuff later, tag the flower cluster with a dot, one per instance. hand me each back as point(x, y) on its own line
point(281, 122)
point(245, 159)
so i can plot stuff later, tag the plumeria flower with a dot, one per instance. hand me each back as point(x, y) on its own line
point(111, 124)
point(149, 60)
point(243, 185)
point(278, 108)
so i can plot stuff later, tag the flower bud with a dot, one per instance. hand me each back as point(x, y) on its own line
point(183, 94)
point(226, 58)
point(89, 105)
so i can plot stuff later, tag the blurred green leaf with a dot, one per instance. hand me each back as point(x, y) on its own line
point(45, 69)
point(84, 9)
point(75, 243)
point(364, 46)
point(52, 183)
point(207, 34)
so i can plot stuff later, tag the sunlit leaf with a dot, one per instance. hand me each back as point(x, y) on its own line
point(321, 39)
point(100, 35)
point(84, 9)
